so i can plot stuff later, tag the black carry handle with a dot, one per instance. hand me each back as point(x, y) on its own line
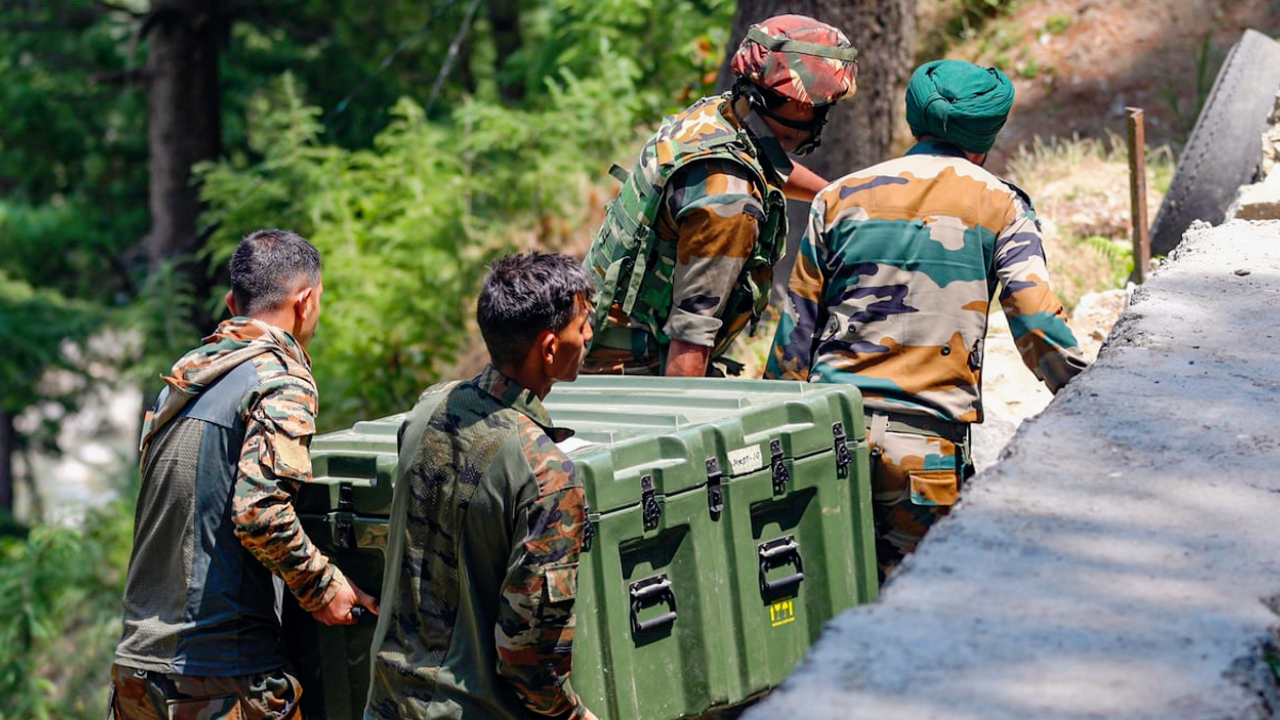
point(648, 592)
point(776, 553)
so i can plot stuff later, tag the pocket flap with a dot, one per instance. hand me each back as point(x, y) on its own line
point(934, 487)
point(561, 582)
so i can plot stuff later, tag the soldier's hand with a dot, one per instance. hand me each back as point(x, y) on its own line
point(347, 605)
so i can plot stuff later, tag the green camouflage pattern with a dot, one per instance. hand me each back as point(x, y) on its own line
point(773, 56)
point(145, 695)
point(279, 419)
point(893, 285)
point(687, 248)
point(482, 563)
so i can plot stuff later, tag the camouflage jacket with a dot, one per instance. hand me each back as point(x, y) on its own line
point(894, 279)
point(486, 527)
point(222, 455)
point(280, 419)
point(687, 249)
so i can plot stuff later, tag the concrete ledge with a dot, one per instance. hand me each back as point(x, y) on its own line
point(1123, 558)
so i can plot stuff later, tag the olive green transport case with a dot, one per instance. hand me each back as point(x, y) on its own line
point(730, 519)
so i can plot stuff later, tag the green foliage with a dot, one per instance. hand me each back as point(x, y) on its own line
point(60, 592)
point(666, 50)
point(406, 227)
point(1057, 24)
point(963, 20)
point(151, 332)
point(35, 326)
point(1118, 253)
point(1028, 70)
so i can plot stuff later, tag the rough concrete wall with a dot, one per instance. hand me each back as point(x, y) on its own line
point(1120, 560)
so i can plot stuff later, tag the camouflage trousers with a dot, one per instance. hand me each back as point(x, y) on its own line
point(146, 695)
point(917, 467)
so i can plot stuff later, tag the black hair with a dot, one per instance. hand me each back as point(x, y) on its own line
point(525, 294)
point(270, 265)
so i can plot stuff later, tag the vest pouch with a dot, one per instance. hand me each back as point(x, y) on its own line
point(934, 487)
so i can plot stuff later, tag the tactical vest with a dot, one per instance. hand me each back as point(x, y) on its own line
point(195, 601)
point(634, 270)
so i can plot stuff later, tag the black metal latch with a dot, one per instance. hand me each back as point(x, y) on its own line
point(781, 475)
point(776, 553)
point(588, 532)
point(652, 591)
point(715, 491)
point(843, 457)
point(649, 503)
point(345, 527)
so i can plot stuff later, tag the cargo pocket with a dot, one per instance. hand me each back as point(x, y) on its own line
point(561, 582)
point(272, 695)
point(934, 487)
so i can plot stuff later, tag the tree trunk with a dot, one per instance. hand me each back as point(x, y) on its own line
point(504, 18)
point(184, 126)
point(860, 131)
point(8, 442)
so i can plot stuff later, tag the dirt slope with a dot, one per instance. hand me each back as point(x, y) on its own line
point(1078, 63)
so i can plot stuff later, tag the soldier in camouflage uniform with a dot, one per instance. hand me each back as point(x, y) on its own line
point(684, 260)
point(892, 288)
point(215, 533)
point(487, 520)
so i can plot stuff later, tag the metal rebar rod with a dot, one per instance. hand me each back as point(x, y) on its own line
point(1138, 194)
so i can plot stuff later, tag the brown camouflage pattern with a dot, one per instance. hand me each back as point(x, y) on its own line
point(894, 280)
point(797, 75)
point(704, 217)
point(279, 422)
point(146, 695)
point(483, 498)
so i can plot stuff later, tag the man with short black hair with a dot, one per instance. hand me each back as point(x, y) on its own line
point(487, 520)
point(223, 452)
point(892, 288)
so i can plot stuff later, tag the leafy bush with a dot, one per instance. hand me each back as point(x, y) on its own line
point(406, 227)
point(60, 591)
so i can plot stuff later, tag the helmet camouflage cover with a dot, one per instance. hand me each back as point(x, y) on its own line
point(799, 58)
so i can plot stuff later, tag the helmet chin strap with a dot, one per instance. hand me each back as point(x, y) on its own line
point(759, 104)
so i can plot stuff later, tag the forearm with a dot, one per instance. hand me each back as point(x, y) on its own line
point(686, 360)
point(803, 184)
point(1037, 318)
point(268, 527)
point(271, 465)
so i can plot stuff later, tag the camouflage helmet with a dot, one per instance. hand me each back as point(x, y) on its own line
point(798, 58)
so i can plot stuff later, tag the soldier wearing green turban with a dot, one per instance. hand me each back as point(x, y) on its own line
point(892, 289)
point(960, 103)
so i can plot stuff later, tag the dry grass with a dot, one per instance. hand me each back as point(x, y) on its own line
point(1080, 188)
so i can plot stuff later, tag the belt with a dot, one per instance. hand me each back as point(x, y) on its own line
point(956, 432)
point(638, 342)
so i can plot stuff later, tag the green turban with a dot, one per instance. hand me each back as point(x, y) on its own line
point(959, 102)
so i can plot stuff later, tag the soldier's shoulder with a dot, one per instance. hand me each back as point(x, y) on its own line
point(275, 368)
point(554, 470)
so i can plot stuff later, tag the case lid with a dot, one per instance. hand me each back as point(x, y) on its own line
point(670, 429)
point(626, 428)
